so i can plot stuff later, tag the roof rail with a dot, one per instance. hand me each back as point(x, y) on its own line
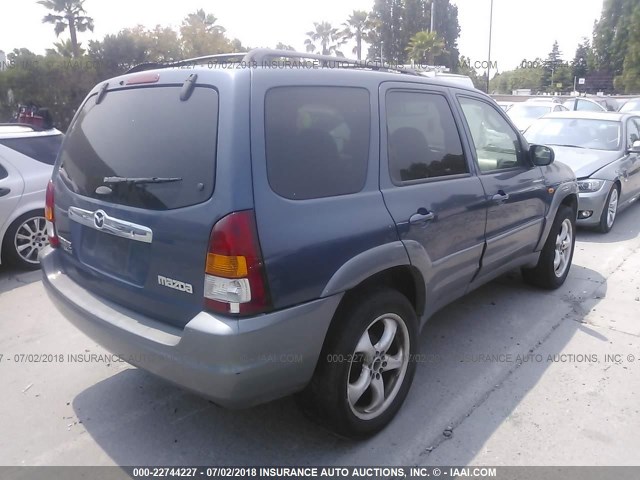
point(217, 58)
point(261, 56)
point(264, 57)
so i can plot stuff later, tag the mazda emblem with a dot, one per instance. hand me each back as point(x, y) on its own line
point(98, 219)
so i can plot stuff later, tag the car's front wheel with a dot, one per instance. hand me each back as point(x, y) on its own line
point(367, 367)
point(24, 240)
point(610, 210)
point(557, 254)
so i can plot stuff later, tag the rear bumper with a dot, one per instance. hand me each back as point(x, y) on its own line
point(235, 363)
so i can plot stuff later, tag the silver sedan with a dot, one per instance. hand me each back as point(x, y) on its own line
point(603, 149)
point(27, 155)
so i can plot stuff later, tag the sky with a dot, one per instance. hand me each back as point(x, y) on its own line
point(522, 29)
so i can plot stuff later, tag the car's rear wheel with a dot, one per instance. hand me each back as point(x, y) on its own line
point(557, 254)
point(24, 240)
point(367, 367)
point(610, 210)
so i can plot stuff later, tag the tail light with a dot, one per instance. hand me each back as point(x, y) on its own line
point(235, 280)
point(50, 217)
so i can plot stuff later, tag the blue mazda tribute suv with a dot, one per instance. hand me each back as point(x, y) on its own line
point(254, 225)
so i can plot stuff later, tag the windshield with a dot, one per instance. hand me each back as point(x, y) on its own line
point(578, 132)
point(529, 111)
point(631, 106)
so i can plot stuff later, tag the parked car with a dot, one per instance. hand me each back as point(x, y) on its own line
point(543, 99)
point(631, 106)
point(583, 104)
point(603, 149)
point(248, 234)
point(27, 155)
point(505, 105)
point(525, 113)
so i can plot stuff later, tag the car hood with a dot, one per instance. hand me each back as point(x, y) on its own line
point(583, 161)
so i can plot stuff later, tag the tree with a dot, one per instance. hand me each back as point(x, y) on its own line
point(201, 36)
point(68, 14)
point(326, 36)
point(580, 64)
point(395, 22)
point(447, 27)
point(611, 32)
point(465, 68)
point(356, 27)
point(551, 66)
point(385, 39)
point(629, 81)
point(424, 47)
point(283, 46)
point(64, 49)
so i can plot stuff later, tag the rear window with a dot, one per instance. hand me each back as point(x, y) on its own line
point(144, 133)
point(317, 140)
point(42, 149)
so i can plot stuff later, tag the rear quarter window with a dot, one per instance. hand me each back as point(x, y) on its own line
point(42, 149)
point(144, 132)
point(317, 140)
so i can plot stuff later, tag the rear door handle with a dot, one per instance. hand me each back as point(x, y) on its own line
point(4, 191)
point(500, 197)
point(422, 216)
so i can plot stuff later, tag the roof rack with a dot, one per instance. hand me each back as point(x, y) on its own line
point(218, 58)
point(265, 57)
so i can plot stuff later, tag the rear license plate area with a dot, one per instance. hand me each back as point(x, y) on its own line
point(116, 256)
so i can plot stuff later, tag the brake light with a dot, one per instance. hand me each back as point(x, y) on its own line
point(235, 277)
point(50, 217)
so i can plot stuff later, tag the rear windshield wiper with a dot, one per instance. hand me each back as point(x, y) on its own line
point(140, 181)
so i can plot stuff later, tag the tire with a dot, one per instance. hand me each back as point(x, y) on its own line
point(24, 239)
point(561, 242)
point(610, 210)
point(349, 363)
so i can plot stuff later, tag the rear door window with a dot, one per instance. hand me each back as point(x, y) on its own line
point(144, 133)
point(317, 140)
point(42, 149)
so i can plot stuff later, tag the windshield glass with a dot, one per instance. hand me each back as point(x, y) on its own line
point(578, 132)
point(631, 106)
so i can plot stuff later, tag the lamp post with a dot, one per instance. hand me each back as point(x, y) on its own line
point(490, 32)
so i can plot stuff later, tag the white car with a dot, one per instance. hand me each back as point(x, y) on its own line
point(523, 114)
point(27, 156)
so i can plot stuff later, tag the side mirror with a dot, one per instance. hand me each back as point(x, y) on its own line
point(541, 156)
point(635, 148)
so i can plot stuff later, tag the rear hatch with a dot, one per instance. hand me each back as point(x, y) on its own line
point(134, 197)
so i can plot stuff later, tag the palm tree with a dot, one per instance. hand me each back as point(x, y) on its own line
point(425, 46)
point(326, 35)
point(68, 14)
point(65, 49)
point(356, 27)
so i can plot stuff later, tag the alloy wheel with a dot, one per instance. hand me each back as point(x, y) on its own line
point(564, 245)
point(30, 239)
point(378, 366)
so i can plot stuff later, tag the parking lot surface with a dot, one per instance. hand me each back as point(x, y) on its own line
point(510, 375)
